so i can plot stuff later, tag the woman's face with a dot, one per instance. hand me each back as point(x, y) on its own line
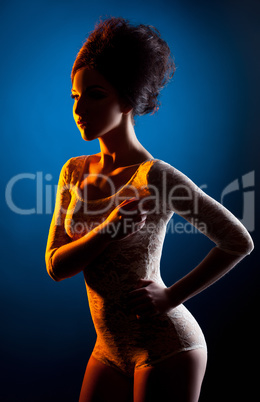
point(97, 108)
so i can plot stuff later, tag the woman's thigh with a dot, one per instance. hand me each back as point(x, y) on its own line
point(177, 378)
point(102, 383)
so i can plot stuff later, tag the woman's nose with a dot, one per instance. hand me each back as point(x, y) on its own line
point(80, 107)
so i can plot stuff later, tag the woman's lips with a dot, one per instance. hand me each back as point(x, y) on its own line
point(82, 123)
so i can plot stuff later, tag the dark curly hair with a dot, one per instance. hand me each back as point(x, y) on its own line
point(134, 59)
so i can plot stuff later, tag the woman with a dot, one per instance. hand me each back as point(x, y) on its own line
point(110, 220)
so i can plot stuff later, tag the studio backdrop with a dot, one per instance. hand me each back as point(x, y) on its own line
point(207, 127)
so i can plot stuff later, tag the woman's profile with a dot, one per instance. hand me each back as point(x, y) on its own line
point(110, 219)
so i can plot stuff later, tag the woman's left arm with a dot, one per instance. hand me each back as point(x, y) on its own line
point(231, 238)
point(215, 265)
point(233, 242)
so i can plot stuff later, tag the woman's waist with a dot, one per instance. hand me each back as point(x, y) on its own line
point(116, 317)
point(105, 305)
point(114, 296)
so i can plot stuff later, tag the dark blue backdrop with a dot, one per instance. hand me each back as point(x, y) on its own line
point(208, 127)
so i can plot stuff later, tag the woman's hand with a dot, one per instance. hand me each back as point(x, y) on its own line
point(149, 299)
point(125, 220)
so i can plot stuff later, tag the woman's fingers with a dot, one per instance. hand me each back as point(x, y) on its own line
point(140, 301)
point(132, 204)
point(140, 294)
point(140, 218)
point(142, 283)
point(127, 218)
point(129, 203)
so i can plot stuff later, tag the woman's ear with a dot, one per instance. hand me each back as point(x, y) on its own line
point(125, 107)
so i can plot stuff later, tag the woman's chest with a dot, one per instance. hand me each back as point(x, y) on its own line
point(82, 217)
point(97, 185)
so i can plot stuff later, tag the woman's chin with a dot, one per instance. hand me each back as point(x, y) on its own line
point(86, 136)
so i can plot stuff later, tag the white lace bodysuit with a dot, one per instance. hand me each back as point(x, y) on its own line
point(123, 341)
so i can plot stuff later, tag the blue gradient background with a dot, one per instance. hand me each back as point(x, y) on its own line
point(208, 127)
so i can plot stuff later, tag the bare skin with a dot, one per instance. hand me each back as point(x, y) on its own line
point(108, 119)
point(104, 383)
point(100, 114)
point(178, 378)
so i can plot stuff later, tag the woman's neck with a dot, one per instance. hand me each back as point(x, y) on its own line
point(121, 148)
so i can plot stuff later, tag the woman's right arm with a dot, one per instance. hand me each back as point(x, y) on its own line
point(71, 258)
point(65, 258)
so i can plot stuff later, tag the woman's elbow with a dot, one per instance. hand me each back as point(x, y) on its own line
point(249, 246)
point(53, 276)
point(50, 268)
point(240, 248)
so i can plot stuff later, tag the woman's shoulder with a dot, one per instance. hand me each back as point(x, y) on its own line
point(72, 167)
point(160, 164)
point(160, 167)
point(80, 160)
point(162, 172)
point(74, 161)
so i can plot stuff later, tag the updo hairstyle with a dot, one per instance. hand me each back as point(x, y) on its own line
point(135, 60)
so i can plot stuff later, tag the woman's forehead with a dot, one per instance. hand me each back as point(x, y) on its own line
point(86, 77)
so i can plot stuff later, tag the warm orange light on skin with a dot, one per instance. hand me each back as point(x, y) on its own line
point(96, 103)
